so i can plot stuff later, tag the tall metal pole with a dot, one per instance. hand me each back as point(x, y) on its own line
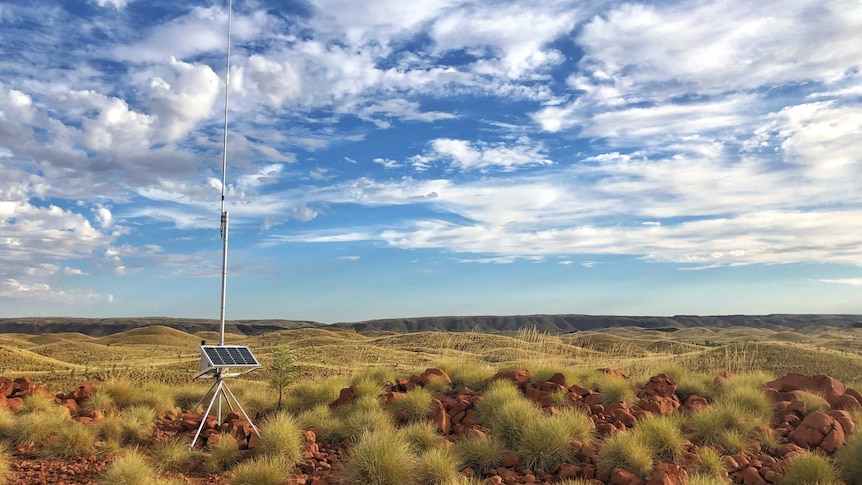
point(224, 215)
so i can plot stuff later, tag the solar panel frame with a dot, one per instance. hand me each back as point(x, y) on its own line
point(215, 358)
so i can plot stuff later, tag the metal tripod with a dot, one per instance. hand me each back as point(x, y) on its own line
point(220, 392)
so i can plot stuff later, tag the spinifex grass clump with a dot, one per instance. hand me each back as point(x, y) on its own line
point(813, 402)
point(848, 459)
point(663, 436)
point(734, 420)
point(382, 457)
point(468, 373)
point(37, 427)
point(708, 463)
point(264, 470)
point(123, 392)
point(306, 395)
point(224, 451)
point(542, 440)
point(439, 466)
point(137, 423)
point(174, 455)
point(480, 452)
point(328, 427)
point(280, 436)
point(130, 469)
point(810, 469)
point(626, 450)
point(415, 404)
point(363, 416)
point(612, 388)
point(72, 440)
point(422, 436)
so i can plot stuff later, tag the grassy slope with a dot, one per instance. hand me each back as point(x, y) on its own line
point(171, 355)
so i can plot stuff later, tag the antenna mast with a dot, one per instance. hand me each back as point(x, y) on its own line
point(224, 216)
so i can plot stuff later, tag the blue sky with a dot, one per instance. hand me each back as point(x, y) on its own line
point(431, 157)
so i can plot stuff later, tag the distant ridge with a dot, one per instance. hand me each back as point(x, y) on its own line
point(574, 323)
point(100, 327)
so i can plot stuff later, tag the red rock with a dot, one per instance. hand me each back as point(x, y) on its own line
point(345, 397)
point(510, 459)
point(789, 449)
point(22, 384)
point(82, 393)
point(520, 377)
point(621, 476)
point(695, 403)
point(558, 379)
point(494, 480)
point(580, 390)
point(824, 385)
point(661, 385)
point(621, 412)
point(6, 386)
point(846, 401)
point(818, 430)
point(14, 404)
point(668, 473)
point(660, 404)
point(567, 470)
point(750, 476)
point(439, 417)
point(433, 374)
point(845, 419)
point(537, 396)
point(471, 418)
point(388, 397)
point(72, 405)
point(614, 372)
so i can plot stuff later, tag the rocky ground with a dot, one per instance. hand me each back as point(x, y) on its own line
point(454, 414)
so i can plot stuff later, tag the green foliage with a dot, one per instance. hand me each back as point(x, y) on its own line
point(158, 396)
point(507, 412)
point(7, 423)
point(467, 373)
point(663, 436)
point(137, 423)
point(71, 441)
point(752, 401)
point(328, 427)
point(280, 436)
point(699, 479)
point(365, 415)
point(37, 427)
point(123, 392)
point(130, 469)
point(613, 389)
point(422, 435)
point(439, 466)
point(281, 370)
point(174, 455)
point(848, 459)
point(810, 469)
point(415, 404)
point(730, 424)
point(37, 403)
point(546, 441)
point(99, 401)
point(813, 402)
point(224, 451)
point(626, 450)
point(382, 457)
point(305, 395)
point(480, 453)
point(264, 470)
point(708, 463)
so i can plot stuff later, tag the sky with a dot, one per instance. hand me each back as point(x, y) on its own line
point(431, 157)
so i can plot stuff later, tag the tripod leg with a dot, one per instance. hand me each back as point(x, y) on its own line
point(241, 410)
point(217, 395)
point(205, 396)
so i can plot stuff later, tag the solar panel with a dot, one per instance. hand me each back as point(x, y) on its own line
point(217, 357)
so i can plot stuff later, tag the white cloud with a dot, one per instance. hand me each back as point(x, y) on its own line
point(118, 4)
point(481, 155)
point(400, 109)
point(104, 217)
point(184, 100)
point(303, 213)
point(387, 163)
point(843, 281)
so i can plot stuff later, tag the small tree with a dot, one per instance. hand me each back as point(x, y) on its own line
point(282, 370)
